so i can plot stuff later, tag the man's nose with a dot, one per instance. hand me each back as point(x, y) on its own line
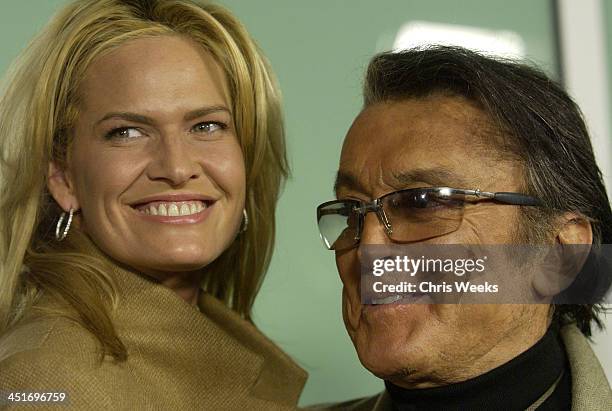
point(373, 233)
point(174, 161)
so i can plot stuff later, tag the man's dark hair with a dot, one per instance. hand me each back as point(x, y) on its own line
point(539, 123)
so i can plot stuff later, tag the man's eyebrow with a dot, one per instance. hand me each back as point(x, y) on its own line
point(348, 181)
point(142, 119)
point(436, 176)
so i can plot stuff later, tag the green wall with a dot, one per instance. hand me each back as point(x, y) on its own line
point(319, 50)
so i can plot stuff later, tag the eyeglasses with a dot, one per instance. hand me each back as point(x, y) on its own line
point(406, 215)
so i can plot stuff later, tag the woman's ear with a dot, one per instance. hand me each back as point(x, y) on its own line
point(61, 187)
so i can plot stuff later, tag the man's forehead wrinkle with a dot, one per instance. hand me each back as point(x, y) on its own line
point(382, 179)
point(355, 180)
point(436, 176)
point(346, 180)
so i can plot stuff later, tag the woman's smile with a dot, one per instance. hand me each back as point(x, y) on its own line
point(182, 208)
point(183, 212)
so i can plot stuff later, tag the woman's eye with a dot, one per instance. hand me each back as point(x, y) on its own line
point(123, 133)
point(208, 127)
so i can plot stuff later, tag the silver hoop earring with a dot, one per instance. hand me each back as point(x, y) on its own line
point(59, 234)
point(245, 220)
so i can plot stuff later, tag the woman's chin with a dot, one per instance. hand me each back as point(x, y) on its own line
point(185, 264)
point(172, 263)
point(180, 257)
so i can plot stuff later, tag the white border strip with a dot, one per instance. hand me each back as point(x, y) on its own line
point(585, 71)
point(585, 74)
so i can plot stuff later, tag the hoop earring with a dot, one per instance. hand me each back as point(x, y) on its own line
point(59, 234)
point(245, 221)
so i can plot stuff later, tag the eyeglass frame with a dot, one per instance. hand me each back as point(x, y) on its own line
point(503, 197)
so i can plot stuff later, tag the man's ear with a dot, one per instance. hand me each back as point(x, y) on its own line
point(575, 238)
point(574, 229)
point(61, 187)
point(566, 258)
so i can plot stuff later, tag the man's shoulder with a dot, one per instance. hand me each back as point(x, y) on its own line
point(590, 387)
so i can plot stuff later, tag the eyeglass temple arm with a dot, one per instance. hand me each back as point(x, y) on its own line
point(516, 199)
point(508, 198)
point(322, 212)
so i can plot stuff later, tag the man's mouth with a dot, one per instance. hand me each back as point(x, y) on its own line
point(397, 298)
point(173, 208)
point(386, 300)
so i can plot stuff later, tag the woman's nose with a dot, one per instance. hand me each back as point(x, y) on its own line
point(174, 161)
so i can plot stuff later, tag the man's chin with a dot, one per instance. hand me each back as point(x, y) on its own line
point(406, 369)
point(389, 356)
point(386, 367)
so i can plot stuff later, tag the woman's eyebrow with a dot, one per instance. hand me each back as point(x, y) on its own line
point(142, 119)
point(124, 115)
point(192, 115)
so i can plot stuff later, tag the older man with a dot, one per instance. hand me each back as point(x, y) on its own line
point(448, 117)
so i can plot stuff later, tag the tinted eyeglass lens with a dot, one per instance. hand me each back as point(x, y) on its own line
point(339, 224)
point(419, 214)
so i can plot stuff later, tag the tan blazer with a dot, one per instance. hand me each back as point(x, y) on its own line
point(178, 358)
point(590, 387)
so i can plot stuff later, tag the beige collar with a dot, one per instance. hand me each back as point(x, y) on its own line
point(161, 329)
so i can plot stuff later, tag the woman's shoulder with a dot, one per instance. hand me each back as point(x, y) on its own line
point(57, 355)
point(46, 350)
point(46, 336)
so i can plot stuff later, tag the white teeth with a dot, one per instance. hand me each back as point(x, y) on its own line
point(173, 210)
point(185, 210)
point(386, 300)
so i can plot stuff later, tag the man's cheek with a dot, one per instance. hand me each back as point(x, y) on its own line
point(348, 268)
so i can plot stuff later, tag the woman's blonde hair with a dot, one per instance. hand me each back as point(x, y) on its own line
point(38, 107)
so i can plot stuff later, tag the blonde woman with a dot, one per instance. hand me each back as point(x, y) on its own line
point(142, 152)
